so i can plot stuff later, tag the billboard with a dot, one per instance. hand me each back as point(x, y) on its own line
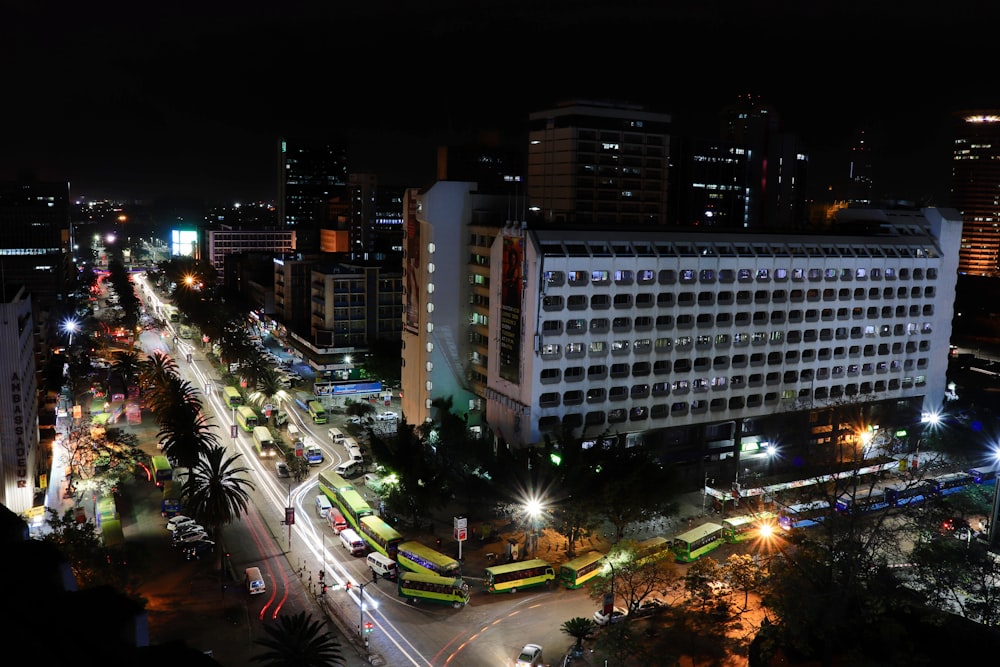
point(411, 265)
point(510, 308)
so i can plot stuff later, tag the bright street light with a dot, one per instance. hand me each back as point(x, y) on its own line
point(71, 326)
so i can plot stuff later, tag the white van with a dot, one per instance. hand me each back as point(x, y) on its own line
point(254, 581)
point(355, 455)
point(323, 505)
point(347, 469)
point(383, 565)
point(336, 435)
point(293, 432)
point(352, 542)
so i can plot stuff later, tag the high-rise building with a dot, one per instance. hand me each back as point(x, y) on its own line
point(975, 183)
point(19, 434)
point(751, 176)
point(704, 345)
point(312, 181)
point(598, 163)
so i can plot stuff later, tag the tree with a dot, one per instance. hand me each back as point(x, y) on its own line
point(269, 391)
point(579, 628)
point(362, 409)
point(743, 573)
point(632, 579)
point(184, 429)
point(218, 490)
point(298, 641)
point(127, 365)
point(698, 577)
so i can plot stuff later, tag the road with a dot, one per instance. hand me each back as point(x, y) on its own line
point(490, 630)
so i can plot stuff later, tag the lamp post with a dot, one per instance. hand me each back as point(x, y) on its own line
point(71, 326)
point(704, 492)
point(533, 508)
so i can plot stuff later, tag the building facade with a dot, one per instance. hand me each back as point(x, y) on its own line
point(598, 163)
point(975, 179)
point(228, 240)
point(681, 339)
point(19, 434)
point(449, 228)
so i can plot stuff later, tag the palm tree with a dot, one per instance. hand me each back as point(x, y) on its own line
point(299, 641)
point(127, 365)
point(269, 390)
point(218, 490)
point(185, 432)
point(254, 367)
point(579, 628)
point(155, 370)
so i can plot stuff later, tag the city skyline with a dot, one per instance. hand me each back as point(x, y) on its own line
point(191, 105)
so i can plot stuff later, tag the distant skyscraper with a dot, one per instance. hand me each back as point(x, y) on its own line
point(859, 183)
point(975, 190)
point(313, 174)
point(594, 162)
point(19, 433)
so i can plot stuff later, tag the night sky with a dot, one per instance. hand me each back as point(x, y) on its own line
point(187, 100)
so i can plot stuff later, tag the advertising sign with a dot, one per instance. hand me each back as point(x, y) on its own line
point(510, 308)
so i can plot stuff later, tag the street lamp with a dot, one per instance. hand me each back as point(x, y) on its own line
point(533, 508)
point(71, 326)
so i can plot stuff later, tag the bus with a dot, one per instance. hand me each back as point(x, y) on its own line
point(897, 496)
point(510, 577)
point(232, 397)
point(803, 515)
point(112, 534)
point(740, 528)
point(578, 571)
point(317, 412)
point(353, 505)
point(949, 483)
point(170, 504)
point(862, 501)
point(695, 543)
point(264, 442)
point(106, 509)
point(162, 470)
point(380, 536)
point(417, 557)
point(446, 590)
point(329, 482)
point(651, 549)
point(246, 418)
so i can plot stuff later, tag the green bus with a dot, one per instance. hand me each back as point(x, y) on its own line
point(246, 418)
point(317, 412)
point(697, 542)
point(578, 571)
point(354, 506)
point(381, 536)
point(107, 509)
point(651, 549)
point(232, 396)
point(329, 482)
point(741, 528)
point(513, 576)
point(111, 532)
point(417, 557)
point(446, 590)
point(264, 442)
point(162, 470)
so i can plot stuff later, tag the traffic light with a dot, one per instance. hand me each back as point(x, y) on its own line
point(369, 626)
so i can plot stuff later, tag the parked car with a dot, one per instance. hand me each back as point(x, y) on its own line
point(187, 530)
point(617, 614)
point(178, 520)
point(195, 550)
point(192, 536)
point(282, 469)
point(720, 587)
point(530, 656)
point(354, 419)
point(648, 607)
point(387, 416)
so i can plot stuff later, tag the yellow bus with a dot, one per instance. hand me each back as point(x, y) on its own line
point(317, 412)
point(246, 418)
point(578, 571)
point(446, 590)
point(417, 557)
point(232, 397)
point(652, 549)
point(264, 442)
point(510, 577)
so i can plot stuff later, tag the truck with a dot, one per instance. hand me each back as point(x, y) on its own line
point(302, 399)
